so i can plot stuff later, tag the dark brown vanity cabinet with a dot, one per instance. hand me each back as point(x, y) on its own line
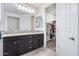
point(17, 45)
point(10, 46)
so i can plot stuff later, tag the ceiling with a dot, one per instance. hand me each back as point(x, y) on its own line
point(51, 9)
point(11, 8)
point(38, 5)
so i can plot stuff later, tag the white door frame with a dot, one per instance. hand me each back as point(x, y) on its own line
point(45, 43)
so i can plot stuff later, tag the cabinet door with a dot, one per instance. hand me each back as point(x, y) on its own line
point(22, 44)
point(35, 43)
point(9, 46)
point(40, 42)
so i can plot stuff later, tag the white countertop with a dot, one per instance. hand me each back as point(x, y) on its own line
point(18, 34)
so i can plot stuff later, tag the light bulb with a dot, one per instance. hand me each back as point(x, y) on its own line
point(33, 11)
point(26, 9)
point(19, 7)
point(23, 8)
point(29, 10)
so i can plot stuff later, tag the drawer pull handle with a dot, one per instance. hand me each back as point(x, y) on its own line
point(18, 41)
point(30, 47)
point(5, 53)
point(30, 36)
point(30, 41)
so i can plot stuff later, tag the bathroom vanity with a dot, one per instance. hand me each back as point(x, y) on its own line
point(17, 44)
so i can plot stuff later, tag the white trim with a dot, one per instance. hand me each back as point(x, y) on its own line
point(45, 42)
point(38, 28)
point(0, 11)
point(11, 14)
point(44, 27)
point(56, 30)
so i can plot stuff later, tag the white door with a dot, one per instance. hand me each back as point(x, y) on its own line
point(67, 29)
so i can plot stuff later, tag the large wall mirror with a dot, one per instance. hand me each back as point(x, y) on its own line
point(12, 24)
point(38, 23)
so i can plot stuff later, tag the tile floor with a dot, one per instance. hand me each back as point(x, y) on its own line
point(51, 45)
point(41, 52)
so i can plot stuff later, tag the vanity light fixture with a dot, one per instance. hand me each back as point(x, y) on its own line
point(25, 8)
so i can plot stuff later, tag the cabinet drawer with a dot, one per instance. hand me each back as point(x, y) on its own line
point(30, 41)
point(30, 36)
point(38, 36)
point(30, 47)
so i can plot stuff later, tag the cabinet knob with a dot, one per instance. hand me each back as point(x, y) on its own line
point(18, 41)
point(14, 42)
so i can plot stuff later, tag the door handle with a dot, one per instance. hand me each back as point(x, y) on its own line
point(71, 38)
